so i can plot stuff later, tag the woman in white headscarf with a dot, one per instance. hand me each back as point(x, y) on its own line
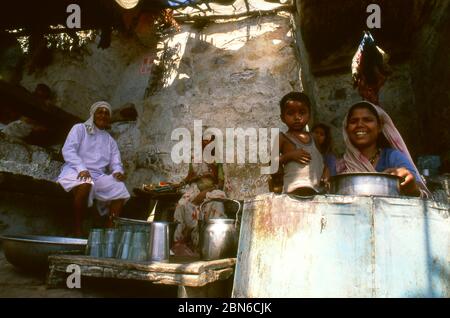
point(93, 168)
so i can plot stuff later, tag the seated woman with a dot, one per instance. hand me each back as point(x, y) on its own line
point(373, 144)
point(90, 154)
point(204, 181)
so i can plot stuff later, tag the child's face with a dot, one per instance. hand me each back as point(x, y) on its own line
point(295, 115)
point(319, 135)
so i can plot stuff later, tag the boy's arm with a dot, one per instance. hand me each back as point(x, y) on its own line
point(299, 155)
point(284, 157)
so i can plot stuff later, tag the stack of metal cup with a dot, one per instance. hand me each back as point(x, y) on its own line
point(139, 250)
point(111, 237)
point(95, 243)
point(123, 250)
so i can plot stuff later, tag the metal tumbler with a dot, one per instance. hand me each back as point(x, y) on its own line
point(139, 250)
point(123, 249)
point(110, 243)
point(159, 242)
point(95, 243)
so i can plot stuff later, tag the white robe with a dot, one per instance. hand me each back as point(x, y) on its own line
point(98, 153)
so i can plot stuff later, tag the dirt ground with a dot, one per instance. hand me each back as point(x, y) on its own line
point(15, 283)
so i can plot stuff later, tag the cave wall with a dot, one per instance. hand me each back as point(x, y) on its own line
point(431, 82)
point(414, 33)
point(232, 74)
point(228, 74)
point(334, 94)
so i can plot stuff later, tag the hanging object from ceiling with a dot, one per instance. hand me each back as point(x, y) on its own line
point(127, 4)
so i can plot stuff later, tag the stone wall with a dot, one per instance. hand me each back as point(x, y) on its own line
point(229, 74)
point(416, 94)
point(32, 214)
point(80, 78)
point(21, 158)
point(334, 94)
point(431, 82)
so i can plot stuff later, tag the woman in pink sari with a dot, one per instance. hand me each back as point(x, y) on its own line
point(373, 144)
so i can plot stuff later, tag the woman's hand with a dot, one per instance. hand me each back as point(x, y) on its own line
point(408, 185)
point(325, 179)
point(299, 155)
point(84, 175)
point(119, 176)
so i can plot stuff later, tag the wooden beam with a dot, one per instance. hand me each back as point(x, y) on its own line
point(177, 264)
point(193, 273)
point(195, 18)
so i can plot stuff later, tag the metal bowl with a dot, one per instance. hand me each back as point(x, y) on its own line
point(366, 183)
point(30, 252)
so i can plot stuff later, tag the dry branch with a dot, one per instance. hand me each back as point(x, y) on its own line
point(196, 18)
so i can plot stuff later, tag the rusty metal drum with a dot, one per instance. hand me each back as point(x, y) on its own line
point(343, 246)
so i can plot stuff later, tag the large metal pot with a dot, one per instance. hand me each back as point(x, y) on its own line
point(30, 252)
point(366, 183)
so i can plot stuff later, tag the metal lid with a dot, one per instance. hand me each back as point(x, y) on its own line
point(131, 221)
point(221, 221)
point(364, 174)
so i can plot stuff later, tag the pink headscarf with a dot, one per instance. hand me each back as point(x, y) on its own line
point(354, 161)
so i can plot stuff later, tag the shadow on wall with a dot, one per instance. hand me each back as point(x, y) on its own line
point(227, 75)
point(34, 214)
point(228, 51)
point(431, 80)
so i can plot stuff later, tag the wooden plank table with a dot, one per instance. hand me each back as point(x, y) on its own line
point(194, 277)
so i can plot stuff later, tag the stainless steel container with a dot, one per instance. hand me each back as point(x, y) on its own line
point(377, 184)
point(159, 242)
point(343, 246)
point(218, 239)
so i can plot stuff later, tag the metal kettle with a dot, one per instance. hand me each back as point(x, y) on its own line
point(219, 236)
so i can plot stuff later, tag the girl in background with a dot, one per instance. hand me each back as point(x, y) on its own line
point(322, 137)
